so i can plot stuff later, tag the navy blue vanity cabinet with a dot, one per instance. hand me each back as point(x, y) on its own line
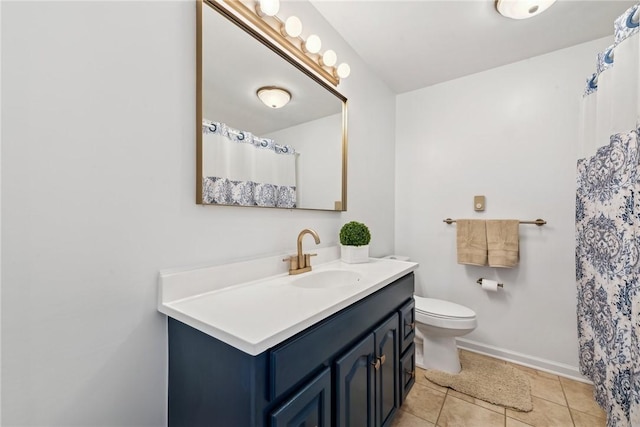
point(355, 385)
point(387, 338)
point(310, 379)
point(407, 324)
point(407, 349)
point(367, 379)
point(310, 407)
point(408, 372)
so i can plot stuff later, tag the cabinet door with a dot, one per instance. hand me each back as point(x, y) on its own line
point(408, 372)
point(387, 364)
point(310, 407)
point(355, 387)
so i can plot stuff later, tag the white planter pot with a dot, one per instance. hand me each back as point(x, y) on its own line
point(354, 254)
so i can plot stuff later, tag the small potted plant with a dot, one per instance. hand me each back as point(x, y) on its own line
point(354, 242)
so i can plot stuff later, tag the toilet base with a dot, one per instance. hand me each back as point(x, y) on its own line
point(441, 354)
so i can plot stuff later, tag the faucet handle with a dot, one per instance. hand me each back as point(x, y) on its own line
point(307, 259)
point(293, 262)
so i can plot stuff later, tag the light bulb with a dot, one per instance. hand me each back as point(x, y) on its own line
point(343, 70)
point(313, 44)
point(329, 58)
point(269, 7)
point(292, 27)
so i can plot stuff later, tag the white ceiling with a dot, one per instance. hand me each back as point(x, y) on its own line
point(418, 43)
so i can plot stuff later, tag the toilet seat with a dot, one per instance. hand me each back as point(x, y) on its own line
point(442, 309)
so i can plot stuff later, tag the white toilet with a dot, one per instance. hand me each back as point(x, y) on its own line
point(438, 323)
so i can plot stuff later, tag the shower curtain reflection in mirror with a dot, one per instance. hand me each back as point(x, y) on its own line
point(242, 169)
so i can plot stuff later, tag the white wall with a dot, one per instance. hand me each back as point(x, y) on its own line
point(0, 218)
point(319, 163)
point(98, 190)
point(510, 134)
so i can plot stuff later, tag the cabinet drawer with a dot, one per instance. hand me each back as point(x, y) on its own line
point(408, 372)
point(293, 362)
point(311, 406)
point(407, 325)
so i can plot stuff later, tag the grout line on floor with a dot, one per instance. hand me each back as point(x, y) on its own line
point(515, 419)
point(552, 401)
point(564, 394)
point(446, 393)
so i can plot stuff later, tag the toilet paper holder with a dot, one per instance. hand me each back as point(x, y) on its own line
point(479, 282)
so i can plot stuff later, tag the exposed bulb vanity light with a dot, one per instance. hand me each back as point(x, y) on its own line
point(329, 58)
point(522, 9)
point(343, 70)
point(273, 96)
point(312, 44)
point(292, 27)
point(263, 14)
point(268, 7)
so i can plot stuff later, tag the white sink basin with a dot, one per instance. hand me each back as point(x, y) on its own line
point(327, 279)
point(255, 304)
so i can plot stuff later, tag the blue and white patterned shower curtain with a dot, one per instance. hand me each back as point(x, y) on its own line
point(608, 227)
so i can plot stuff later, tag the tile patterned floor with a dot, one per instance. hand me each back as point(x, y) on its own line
point(557, 402)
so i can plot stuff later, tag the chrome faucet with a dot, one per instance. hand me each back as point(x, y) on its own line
point(301, 262)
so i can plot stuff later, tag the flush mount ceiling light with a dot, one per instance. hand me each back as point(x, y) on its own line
point(522, 9)
point(274, 97)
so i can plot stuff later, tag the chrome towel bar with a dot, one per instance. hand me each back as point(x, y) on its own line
point(539, 222)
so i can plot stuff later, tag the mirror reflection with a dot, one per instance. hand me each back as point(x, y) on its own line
point(272, 136)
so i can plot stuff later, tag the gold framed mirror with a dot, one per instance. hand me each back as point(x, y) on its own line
point(248, 152)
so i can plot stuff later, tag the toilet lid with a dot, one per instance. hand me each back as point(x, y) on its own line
point(442, 308)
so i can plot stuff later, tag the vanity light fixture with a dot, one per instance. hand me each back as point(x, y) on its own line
point(292, 27)
point(268, 7)
point(329, 58)
point(343, 70)
point(522, 9)
point(288, 34)
point(273, 96)
point(312, 44)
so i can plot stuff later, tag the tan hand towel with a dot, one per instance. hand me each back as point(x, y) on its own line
point(471, 241)
point(503, 242)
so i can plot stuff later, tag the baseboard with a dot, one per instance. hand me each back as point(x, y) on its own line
point(567, 371)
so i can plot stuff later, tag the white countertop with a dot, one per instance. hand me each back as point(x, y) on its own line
point(258, 314)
